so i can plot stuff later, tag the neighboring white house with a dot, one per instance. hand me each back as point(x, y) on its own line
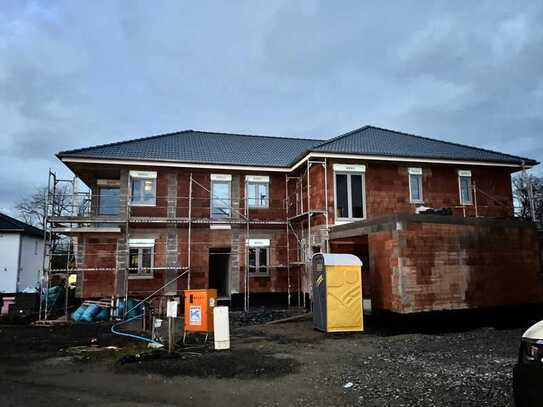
point(21, 251)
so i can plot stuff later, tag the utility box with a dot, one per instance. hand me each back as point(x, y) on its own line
point(337, 293)
point(199, 306)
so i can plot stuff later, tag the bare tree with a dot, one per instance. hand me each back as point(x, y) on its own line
point(521, 196)
point(32, 208)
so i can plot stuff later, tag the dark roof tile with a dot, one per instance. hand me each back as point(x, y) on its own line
point(248, 150)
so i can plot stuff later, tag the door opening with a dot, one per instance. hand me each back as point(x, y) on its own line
point(219, 271)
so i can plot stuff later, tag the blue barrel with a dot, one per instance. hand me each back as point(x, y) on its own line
point(76, 316)
point(103, 315)
point(91, 311)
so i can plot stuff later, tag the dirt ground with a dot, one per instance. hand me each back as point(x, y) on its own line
point(287, 364)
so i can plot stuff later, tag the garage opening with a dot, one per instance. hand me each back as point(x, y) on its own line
point(359, 247)
point(219, 271)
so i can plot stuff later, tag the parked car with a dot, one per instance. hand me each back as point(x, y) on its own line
point(528, 372)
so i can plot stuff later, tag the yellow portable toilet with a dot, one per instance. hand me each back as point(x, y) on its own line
point(337, 292)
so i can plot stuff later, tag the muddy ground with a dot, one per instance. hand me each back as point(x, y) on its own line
point(287, 364)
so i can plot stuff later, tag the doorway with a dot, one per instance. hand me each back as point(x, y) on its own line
point(219, 271)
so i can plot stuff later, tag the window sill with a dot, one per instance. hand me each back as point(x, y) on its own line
point(259, 275)
point(140, 276)
point(343, 221)
point(142, 204)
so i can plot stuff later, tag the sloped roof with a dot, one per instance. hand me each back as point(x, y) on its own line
point(192, 146)
point(204, 147)
point(9, 224)
point(370, 140)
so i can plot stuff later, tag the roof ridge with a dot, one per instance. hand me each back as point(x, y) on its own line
point(360, 129)
point(256, 135)
point(448, 142)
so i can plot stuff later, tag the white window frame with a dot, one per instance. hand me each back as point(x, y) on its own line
point(258, 181)
point(418, 173)
point(465, 174)
point(258, 244)
point(350, 169)
point(142, 175)
point(141, 244)
point(221, 179)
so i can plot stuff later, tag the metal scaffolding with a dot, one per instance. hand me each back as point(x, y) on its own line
point(70, 214)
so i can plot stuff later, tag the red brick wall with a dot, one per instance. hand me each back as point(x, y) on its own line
point(387, 188)
point(429, 266)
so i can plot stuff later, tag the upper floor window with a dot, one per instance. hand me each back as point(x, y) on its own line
point(464, 183)
point(141, 256)
point(108, 197)
point(415, 185)
point(349, 191)
point(221, 206)
point(258, 191)
point(143, 188)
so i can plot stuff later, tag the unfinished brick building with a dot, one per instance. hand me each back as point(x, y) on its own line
point(244, 214)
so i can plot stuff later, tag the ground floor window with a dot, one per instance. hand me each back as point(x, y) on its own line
point(258, 256)
point(258, 260)
point(141, 256)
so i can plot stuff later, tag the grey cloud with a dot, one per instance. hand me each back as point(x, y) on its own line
point(74, 74)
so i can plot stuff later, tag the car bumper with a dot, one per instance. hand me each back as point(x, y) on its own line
point(528, 385)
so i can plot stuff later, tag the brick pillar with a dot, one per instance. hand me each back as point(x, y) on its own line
point(235, 196)
point(172, 195)
point(234, 262)
point(124, 193)
point(79, 264)
point(121, 264)
point(171, 260)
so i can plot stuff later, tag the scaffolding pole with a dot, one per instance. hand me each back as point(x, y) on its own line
point(189, 232)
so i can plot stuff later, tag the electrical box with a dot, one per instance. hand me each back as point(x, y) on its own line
point(199, 306)
point(337, 292)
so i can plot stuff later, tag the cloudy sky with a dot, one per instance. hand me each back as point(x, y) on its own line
point(79, 73)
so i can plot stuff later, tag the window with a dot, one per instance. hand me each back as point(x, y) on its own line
point(415, 185)
point(35, 247)
point(257, 191)
point(258, 256)
point(108, 201)
point(220, 195)
point(349, 184)
point(258, 260)
point(464, 182)
point(141, 256)
point(143, 188)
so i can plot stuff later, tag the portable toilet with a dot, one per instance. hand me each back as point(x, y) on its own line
point(337, 292)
